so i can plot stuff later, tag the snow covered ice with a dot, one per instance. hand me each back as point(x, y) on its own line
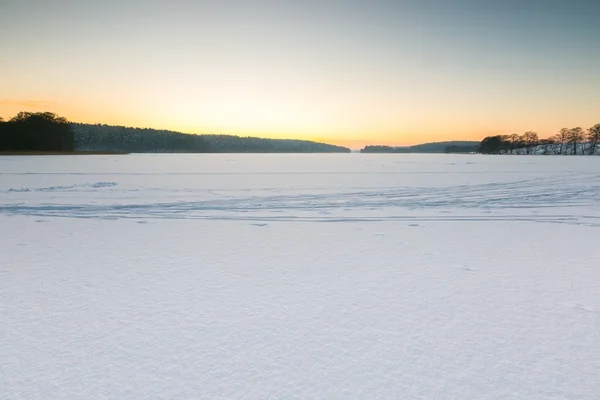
point(299, 277)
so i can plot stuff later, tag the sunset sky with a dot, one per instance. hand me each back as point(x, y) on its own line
point(345, 72)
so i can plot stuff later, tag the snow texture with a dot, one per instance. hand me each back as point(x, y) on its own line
point(299, 277)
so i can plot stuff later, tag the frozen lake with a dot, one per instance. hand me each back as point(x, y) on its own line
point(302, 187)
point(300, 277)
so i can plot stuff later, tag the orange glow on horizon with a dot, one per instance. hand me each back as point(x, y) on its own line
point(353, 141)
point(257, 123)
point(326, 71)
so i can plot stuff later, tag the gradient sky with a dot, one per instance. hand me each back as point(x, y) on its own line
point(345, 72)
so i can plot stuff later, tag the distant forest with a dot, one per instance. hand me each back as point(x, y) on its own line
point(435, 147)
point(47, 132)
point(143, 140)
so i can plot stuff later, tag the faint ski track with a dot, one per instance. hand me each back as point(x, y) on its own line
point(519, 200)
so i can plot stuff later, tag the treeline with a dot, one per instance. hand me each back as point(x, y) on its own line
point(43, 132)
point(567, 141)
point(465, 149)
point(143, 140)
point(238, 144)
point(47, 132)
point(135, 140)
point(384, 149)
point(433, 147)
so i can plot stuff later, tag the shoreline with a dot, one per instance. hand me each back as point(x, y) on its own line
point(60, 153)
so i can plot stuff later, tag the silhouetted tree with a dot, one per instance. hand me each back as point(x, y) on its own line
point(593, 138)
point(42, 131)
point(530, 139)
point(561, 138)
point(512, 142)
point(493, 145)
point(576, 135)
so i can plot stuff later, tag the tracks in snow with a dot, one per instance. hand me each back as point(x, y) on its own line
point(565, 199)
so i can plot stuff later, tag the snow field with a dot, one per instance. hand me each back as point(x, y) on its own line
point(430, 279)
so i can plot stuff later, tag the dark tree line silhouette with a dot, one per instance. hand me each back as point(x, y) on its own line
point(143, 140)
point(464, 149)
point(43, 132)
point(47, 132)
point(385, 149)
point(433, 147)
point(107, 138)
point(238, 144)
point(567, 141)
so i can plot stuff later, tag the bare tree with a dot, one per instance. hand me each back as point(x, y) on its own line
point(506, 147)
point(510, 142)
point(561, 138)
point(566, 141)
point(593, 138)
point(530, 139)
point(515, 141)
point(576, 136)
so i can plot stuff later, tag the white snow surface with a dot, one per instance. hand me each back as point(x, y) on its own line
point(346, 276)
